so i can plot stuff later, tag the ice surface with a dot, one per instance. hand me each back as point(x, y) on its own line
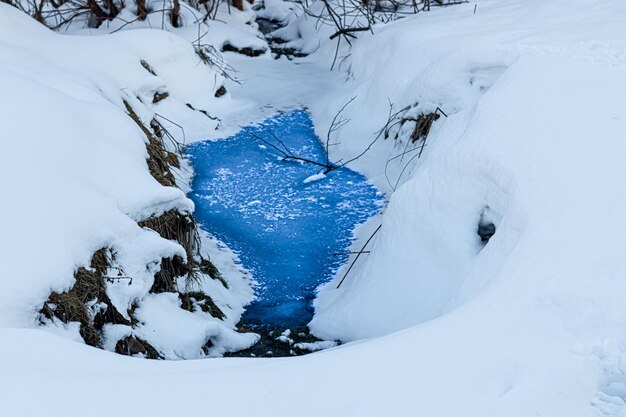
point(291, 232)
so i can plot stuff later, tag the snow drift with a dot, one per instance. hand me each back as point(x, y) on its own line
point(517, 147)
point(76, 179)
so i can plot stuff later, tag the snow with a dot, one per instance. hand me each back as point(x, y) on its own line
point(314, 177)
point(315, 346)
point(76, 173)
point(513, 137)
point(161, 317)
point(277, 10)
point(530, 323)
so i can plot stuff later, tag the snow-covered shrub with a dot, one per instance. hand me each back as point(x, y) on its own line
point(65, 13)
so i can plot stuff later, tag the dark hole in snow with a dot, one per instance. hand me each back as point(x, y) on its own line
point(131, 346)
point(289, 53)
point(220, 91)
point(160, 96)
point(248, 51)
point(267, 26)
point(485, 231)
point(277, 44)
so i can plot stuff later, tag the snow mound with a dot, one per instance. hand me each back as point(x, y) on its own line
point(77, 178)
point(513, 146)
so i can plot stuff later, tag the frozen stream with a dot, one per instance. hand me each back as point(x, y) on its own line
point(292, 234)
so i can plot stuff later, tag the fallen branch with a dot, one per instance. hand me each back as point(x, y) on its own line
point(348, 32)
point(359, 253)
point(288, 155)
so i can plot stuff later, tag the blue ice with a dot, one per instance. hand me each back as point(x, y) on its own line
point(291, 234)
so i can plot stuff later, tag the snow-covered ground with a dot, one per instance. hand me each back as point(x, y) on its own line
point(534, 96)
point(76, 179)
point(532, 323)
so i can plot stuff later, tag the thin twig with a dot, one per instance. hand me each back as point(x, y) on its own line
point(359, 254)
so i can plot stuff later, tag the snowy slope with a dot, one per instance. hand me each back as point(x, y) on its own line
point(534, 126)
point(76, 178)
point(530, 324)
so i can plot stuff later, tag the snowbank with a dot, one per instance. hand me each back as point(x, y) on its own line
point(533, 143)
point(514, 141)
point(76, 178)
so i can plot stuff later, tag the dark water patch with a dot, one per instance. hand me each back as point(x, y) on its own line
point(282, 342)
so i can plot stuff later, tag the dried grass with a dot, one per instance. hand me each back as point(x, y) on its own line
point(208, 268)
point(89, 287)
point(181, 228)
point(159, 158)
point(193, 299)
point(422, 126)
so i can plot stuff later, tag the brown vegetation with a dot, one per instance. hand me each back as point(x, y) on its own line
point(422, 126)
point(159, 158)
point(87, 302)
point(88, 289)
